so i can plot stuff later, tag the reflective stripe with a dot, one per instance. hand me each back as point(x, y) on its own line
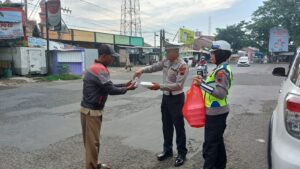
point(207, 88)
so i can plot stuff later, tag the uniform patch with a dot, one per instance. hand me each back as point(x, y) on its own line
point(219, 76)
point(182, 69)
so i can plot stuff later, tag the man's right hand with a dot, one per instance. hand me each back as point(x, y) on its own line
point(138, 73)
point(131, 86)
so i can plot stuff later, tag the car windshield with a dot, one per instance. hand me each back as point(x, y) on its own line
point(295, 77)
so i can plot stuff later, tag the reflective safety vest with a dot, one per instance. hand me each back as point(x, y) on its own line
point(210, 100)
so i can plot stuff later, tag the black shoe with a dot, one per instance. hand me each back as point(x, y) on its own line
point(164, 155)
point(179, 160)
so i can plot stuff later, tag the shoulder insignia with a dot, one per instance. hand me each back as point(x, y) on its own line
point(219, 76)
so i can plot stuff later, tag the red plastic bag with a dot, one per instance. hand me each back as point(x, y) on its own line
point(194, 107)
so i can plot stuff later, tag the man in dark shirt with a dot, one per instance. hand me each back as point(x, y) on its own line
point(96, 87)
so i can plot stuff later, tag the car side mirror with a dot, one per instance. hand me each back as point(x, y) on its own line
point(279, 71)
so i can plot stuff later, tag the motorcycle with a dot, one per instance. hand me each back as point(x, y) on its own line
point(202, 70)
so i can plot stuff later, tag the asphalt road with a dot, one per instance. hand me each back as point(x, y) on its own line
point(40, 124)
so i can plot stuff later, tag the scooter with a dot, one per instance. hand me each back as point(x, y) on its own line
point(202, 70)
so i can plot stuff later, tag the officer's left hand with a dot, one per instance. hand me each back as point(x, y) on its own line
point(155, 86)
point(197, 80)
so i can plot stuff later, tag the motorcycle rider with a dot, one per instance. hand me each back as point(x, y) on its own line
point(203, 62)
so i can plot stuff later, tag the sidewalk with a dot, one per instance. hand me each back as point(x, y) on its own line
point(17, 81)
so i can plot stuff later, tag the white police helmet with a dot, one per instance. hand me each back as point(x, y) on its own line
point(220, 45)
point(173, 45)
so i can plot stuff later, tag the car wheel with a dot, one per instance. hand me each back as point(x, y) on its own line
point(269, 148)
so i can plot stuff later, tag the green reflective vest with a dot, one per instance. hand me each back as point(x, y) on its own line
point(210, 100)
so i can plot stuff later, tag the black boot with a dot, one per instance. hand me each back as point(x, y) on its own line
point(164, 155)
point(179, 160)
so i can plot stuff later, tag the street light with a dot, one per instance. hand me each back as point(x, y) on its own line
point(155, 39)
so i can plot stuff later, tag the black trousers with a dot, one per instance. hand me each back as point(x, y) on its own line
point(214, 152)
point(171, 108)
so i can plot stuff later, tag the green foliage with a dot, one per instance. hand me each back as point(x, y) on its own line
point(256, 33)
point(63, 69)
point(275, 13)
point(60, 77)
point(235, 35)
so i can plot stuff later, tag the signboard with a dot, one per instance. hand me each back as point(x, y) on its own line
point(39, 42)
point(12, 15)
point(186, 36)
point(104, 38)
point(54, 13)
point(122, 40)
point(10, 30)
point(83, 36)
point(136, 41)
point(279, 40)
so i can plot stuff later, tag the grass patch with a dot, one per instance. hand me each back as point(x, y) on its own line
point(60, 77)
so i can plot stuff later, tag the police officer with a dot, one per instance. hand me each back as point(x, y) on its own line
point(175, 72)
point(216, 89)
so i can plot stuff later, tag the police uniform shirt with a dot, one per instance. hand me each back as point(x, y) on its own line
point(174, 75)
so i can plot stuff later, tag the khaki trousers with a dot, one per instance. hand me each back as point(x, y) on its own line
point(91, 126)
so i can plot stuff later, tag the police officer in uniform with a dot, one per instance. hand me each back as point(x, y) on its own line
point(216, 89)
point(175, 72)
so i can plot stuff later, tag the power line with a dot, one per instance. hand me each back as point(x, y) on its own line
point(95, 23)
point(34, 9)
point(93, 4)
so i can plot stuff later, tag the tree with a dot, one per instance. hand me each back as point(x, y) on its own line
point(274, 13)
point(235, 34)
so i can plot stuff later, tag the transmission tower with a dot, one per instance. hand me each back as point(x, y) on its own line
point(130, 18)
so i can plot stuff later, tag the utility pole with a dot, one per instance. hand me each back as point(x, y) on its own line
point(26, 10)
point(47, 36)
point(155, 39)
point(162, 42)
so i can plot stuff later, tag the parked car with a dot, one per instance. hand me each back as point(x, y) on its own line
point(284, 127)
point(243, 61)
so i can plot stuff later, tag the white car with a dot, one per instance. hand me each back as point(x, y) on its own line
point(284, 128)
point(189, 60)
point(243, 61)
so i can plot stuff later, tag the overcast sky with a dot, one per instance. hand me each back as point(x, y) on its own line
point(105, 15)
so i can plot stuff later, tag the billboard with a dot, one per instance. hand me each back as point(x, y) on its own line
point(11, 24)
point(136, 41)
point(104, 38)
point(54, 13)
point(83, 36)
point(122, 40)
point(11, 30)
point(186, 36)
point(279, 40)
